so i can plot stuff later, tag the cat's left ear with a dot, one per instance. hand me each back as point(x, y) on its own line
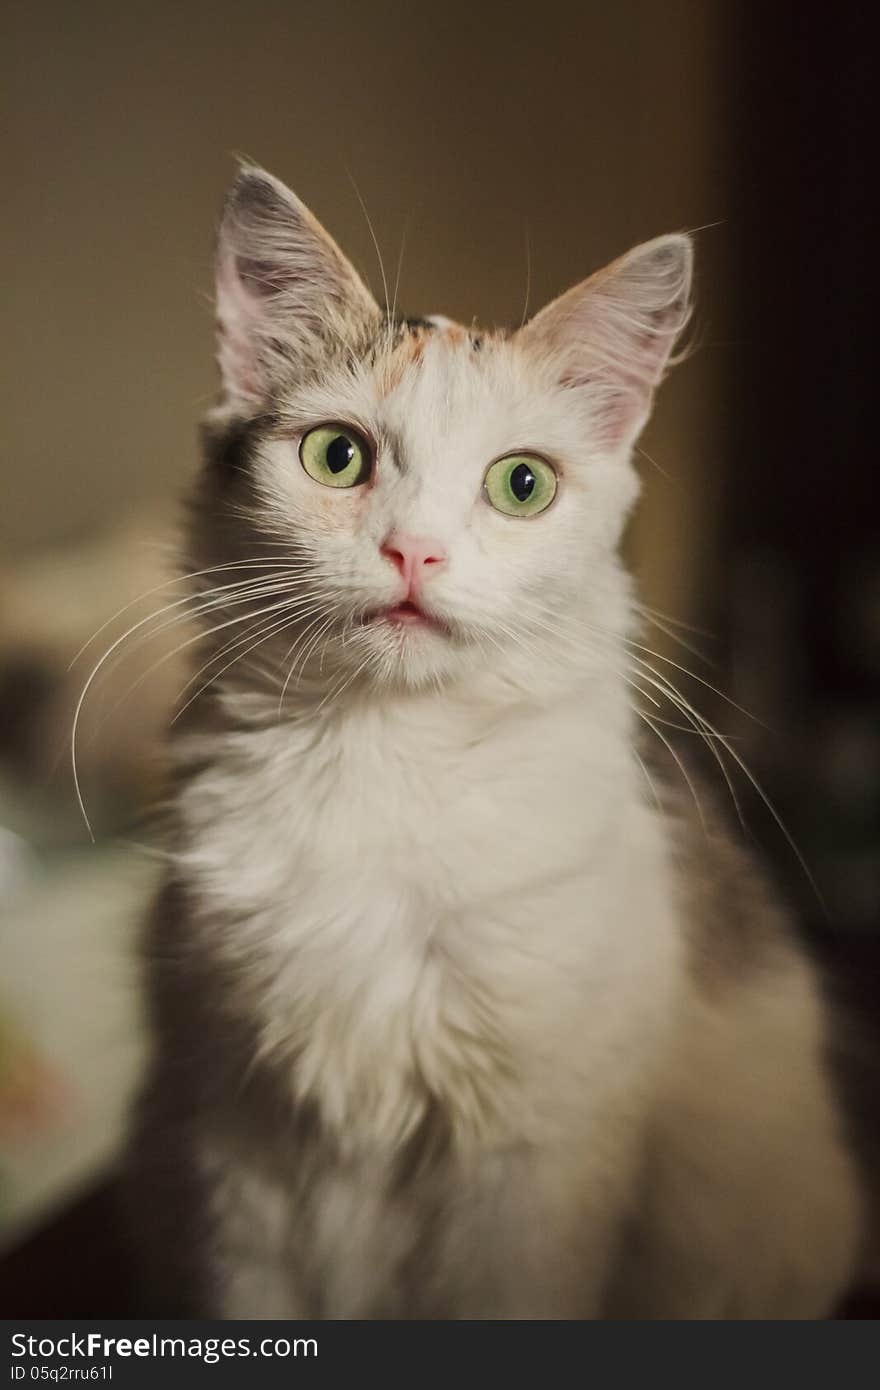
point(613, 334)
point(283, 287)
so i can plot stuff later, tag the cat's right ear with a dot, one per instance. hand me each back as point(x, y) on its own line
point(611, 336)
point(282, 287)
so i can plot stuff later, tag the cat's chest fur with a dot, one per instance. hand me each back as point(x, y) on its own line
point(423, 905)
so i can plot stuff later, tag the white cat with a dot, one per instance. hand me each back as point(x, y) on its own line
point(457, 1014)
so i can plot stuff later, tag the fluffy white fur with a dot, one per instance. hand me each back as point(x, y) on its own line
point(439, 879)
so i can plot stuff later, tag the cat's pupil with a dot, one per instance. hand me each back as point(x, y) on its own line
point(522, 482)
point(340, 452)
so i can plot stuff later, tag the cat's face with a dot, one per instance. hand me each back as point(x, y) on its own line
point(436, 498)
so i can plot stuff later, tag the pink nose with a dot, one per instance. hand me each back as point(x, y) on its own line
point(411, 554)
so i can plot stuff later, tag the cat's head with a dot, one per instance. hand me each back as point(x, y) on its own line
point(409, 499)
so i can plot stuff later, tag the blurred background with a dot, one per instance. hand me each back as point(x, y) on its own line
point(503, 151)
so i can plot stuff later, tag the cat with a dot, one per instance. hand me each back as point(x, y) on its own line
point(458, 1012)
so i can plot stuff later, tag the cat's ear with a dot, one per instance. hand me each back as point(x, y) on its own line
point(282, 287)
point(613, 334)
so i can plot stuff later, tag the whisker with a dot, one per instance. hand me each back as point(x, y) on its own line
point(399, 269)
point(640, 646)
point(668, 476)
point(311, 646)
point(295, 608)
point(335, 693)
point(675, 637)
point(84, 694)
point(528, 278)
point(289, 656)
point(267, 631)
point(761, 793)
point(646, 718)
point(155, 666)
point(700, 725)
point(647, 611)
point(649, 779)
point(179, 579)
point(697, 721)
point(195, 606)
point(375, 244)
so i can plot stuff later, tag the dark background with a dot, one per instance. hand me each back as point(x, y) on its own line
point(573, 131)
point(798, 576)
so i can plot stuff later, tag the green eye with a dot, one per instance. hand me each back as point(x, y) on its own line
point(520, 485)
point(336, 456)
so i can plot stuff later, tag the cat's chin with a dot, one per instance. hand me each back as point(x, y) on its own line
point(411, 647)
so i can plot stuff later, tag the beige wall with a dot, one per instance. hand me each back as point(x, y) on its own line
point(593, 126)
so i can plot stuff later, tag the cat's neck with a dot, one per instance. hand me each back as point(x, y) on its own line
point(593, 702)
point(390, 768)
point(363, 851)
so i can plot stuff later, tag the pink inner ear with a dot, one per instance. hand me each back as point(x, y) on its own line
point(628, 358)
point(238, 331)
point(611, 336)
point(279, 278)
point(619, 402)
point(262, 279)
point(614, 332)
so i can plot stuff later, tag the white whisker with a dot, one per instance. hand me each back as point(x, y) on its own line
point(376, 245)
point(268, 630)
point(646, 718)
point(179, 579)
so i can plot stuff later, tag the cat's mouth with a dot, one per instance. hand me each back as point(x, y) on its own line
point(406, 614)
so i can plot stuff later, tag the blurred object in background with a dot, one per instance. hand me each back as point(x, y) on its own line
point(58, 617)
point(798, 565)
point(71, 1039)
point(71, 1042)
point(817, 746)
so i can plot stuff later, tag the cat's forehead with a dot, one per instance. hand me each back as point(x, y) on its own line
point(433, 353)
point(439, 323)
point(413, 335)
point(439, 375)
point(460, 393)
point(430, 383)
